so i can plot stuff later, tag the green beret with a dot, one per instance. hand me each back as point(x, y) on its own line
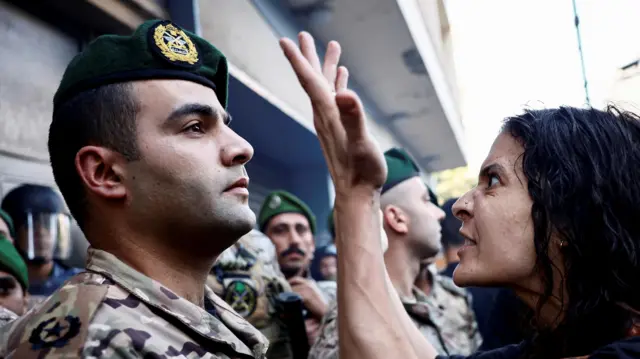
point(330, 225)
point(7, 219)
point(158, 49)
point(278, 202)
point(12, 262)
point(400, 166)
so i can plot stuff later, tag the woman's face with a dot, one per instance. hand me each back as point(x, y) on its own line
point(496, 222)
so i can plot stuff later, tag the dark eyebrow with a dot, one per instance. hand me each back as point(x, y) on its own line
point(198, 109)
point(494, 167)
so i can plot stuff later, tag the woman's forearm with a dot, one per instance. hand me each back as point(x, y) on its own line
point(372, 321)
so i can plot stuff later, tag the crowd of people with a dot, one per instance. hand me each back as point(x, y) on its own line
point(542, 255)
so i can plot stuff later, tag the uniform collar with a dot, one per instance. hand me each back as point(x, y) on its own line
point(228, 327)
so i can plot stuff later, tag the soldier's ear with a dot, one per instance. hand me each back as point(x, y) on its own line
point(102, 171)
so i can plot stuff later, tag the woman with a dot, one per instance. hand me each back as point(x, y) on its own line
point(554, 216)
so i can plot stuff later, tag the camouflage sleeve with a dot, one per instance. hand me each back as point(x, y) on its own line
point(104, 342)
point(326, 346)
point(55, 329)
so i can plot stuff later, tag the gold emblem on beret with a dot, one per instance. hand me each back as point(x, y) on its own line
point(275, 202)
point(174, 44)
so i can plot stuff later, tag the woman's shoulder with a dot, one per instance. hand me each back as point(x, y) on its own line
point(623, 349)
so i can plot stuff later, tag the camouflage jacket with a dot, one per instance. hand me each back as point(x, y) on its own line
point(113, 311)
point(451, 310)
point(326, 346)
point(6, 316)
point(247, 276)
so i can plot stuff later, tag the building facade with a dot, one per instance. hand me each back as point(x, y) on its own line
point(398, 54)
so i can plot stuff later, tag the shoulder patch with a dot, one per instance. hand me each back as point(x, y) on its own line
point(61, 323)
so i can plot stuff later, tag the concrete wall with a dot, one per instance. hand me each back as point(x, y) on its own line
point(34, 56)
point(239, 30)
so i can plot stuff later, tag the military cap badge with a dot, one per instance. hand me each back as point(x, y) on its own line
point(275, 202)
point(173, 44)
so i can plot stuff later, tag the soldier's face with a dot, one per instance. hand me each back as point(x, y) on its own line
point(292, 237)
point(329, 268)
point(191, 178)
point(496, 222)
point(425, 216)
point(416, 218)
point(11, 295)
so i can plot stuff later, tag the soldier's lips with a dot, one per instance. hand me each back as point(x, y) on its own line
point(239, 187)
point(294, 256)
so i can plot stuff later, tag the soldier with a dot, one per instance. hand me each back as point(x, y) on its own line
point(43, 237)
point(14, 297)
point(247, 276)
point(6, 226)
point(411, 222)
point(143, 155)
point(291, 225)
point(327, 265)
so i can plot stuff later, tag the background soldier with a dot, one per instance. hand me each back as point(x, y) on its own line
point(14, 297)
point(42, 237)
point(411, 222)
point(142, 152)
point(291, 225)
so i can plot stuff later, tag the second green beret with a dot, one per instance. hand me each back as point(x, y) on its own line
point(279, 202)
point(12, 262)
point(400, 166)
point(7, 219)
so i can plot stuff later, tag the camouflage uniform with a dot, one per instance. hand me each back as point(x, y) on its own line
point(247, 276)
point(450, 308)
point(113, 311)
point(6, 316)
point(444, 317)
point(329, 289)
point(326, 346)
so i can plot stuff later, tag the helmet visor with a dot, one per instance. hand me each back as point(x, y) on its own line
point(45, 236)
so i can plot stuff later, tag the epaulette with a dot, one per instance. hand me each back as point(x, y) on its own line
point(59, 325)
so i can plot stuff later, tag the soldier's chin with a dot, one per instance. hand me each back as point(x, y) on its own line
point(290, 269)
point(241, 221)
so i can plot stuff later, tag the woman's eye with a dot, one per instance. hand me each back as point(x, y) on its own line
point(493, 181)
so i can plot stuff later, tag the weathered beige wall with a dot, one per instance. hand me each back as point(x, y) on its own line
point(34, 56)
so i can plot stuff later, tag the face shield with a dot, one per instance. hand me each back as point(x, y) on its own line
point(43, 237)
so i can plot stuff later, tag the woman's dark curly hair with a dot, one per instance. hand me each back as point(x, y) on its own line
point(583, 173)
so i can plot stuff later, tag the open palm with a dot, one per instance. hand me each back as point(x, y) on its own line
point(353, 157)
